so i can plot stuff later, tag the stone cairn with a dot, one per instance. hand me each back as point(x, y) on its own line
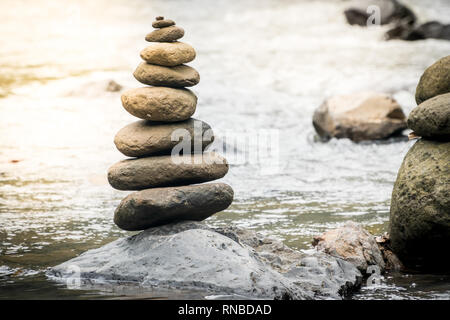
point(166, 180)
point(420, 205)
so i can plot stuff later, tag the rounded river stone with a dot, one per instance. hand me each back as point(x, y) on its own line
point(156, 207)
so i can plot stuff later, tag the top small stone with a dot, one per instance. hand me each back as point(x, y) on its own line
point(160, 22)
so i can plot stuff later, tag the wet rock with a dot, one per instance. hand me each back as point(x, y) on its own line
point(362, 116)
point(168, 34)
point(420, 207)
point(160, 103)
point(146, 138)
point(431, 118)
point(392, 262)
point(176, 77)
point(159, 206)
point(434, 81)
point(168, 54)
point(390, 11)
point(166, 171)
point(351, 243)
point(163, 23)
point(219, 261)
point(429, 30)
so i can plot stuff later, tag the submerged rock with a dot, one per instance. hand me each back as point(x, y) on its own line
point(351, 243)
point(431, 119)
point(159, 206)
point(434, 81)
point(362, 116)
point(166, 171)
point(420, 207)
point(175, 77)
point(429, 30)
point(219, 261)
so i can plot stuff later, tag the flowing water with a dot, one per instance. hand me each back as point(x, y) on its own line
point(263, 65)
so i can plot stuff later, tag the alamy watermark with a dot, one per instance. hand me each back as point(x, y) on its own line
point(259, 148)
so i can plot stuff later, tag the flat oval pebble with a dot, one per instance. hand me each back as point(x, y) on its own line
point(146, 138)
point(166, 171)
point(168, 34)
point(168, 54)
point(431, 119)
point(160, 103)
point(163, 23)
point(156, 207)
point(176, 77)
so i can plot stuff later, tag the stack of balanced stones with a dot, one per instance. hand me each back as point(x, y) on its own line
point(420, 205)
point(165, 174)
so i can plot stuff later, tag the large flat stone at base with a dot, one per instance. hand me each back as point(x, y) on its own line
point(224, 261)
point(155, 207)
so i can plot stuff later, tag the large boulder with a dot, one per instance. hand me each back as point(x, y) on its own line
point(220, 261)
point(166, 171)
point(159, 206)
point(420, 207)
point(431, 118)
point(362, 116)
point(434, 81)
point(390, 11)
point(351, 243)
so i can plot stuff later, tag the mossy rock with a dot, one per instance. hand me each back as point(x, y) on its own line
point(420, 207)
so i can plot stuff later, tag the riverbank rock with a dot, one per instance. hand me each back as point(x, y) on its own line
point(429, 30)
point(166, 171)
point(360, 11)
point(160, 103)
point(168, 54)
point(351, 243)
point(175, 77)
point(168, 34)
point(155, 207)
point(431, 119)
point(147, 138)
point(362, 116)
point(420, 207)
point(221, 261)
point(434, 81)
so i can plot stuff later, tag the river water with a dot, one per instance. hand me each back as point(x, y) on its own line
point(263, 65)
